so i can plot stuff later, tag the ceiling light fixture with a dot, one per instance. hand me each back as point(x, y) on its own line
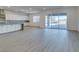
point(8, 6)
point(30, 8)
point(44, 8)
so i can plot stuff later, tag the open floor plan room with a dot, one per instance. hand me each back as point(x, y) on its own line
point(39, 29)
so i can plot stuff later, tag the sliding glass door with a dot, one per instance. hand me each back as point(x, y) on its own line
point(62, 22)
point(56, 21)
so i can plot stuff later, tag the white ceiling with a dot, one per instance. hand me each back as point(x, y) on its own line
point(31, 9)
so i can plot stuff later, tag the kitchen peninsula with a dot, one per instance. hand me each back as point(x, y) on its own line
point(9, 26)
point(11, 21)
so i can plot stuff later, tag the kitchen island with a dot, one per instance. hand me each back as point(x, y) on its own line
point(10, 26)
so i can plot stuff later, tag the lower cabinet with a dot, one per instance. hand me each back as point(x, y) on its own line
point(9, 28)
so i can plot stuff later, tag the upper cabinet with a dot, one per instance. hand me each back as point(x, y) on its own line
point(2, 15)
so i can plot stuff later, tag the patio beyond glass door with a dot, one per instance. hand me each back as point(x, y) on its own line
point(62, 22)
point(53, 22)
point(56, 21)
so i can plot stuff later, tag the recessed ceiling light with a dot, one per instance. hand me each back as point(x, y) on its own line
point(8, 6)
point(44, 8)
point(32, 12)
point(22, 10)
point(30, 8)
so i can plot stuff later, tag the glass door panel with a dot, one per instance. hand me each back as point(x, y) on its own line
point(56, 21)
point(63, 22)
point(53, 22)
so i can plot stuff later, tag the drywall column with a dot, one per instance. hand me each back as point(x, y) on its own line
point(42, 21)
point(78, 19)
point(31, 20)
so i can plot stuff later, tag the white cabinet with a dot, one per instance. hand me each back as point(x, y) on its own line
point(9, 28)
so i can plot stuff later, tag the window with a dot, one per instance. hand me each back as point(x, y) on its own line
point(36, 19)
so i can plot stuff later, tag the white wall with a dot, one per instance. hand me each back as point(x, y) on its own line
point(15, 16)
point(78, 18)
point(31, 20)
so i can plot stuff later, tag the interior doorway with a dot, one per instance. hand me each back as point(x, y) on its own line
point(56, 21)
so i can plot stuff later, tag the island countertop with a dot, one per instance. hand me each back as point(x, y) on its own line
point(6, 22)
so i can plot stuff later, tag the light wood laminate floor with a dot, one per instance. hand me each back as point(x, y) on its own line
point(40, 40)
